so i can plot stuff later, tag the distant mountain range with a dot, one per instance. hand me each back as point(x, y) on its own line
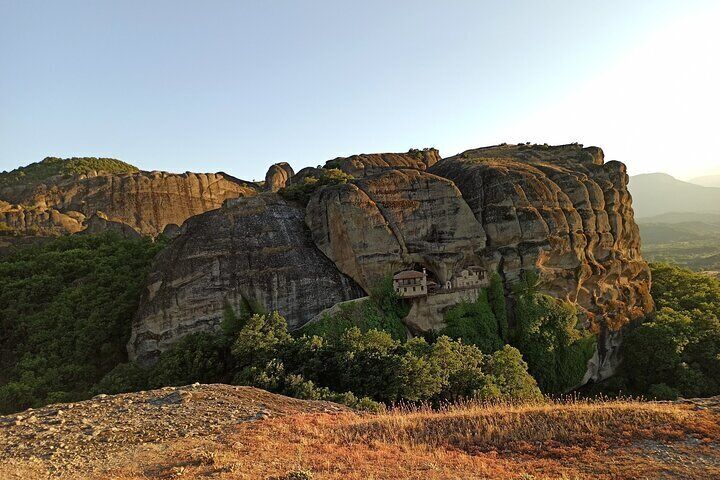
point(661, 194)
point(707, 181)
point(679, 221)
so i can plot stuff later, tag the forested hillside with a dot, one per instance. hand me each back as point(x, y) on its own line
point(65, 311)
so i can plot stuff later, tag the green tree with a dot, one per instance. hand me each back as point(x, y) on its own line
point(474, 323)
point(302, 191)
point(675, 351)
point(260, 340)
point(509, 374)
point(196, 357)
point(548, 335)
point(496, 296)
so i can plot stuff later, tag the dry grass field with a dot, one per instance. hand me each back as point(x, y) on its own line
point(555, 440)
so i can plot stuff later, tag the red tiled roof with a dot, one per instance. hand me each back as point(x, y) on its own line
point(408, 274)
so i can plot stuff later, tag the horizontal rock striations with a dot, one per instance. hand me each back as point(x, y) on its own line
point(145, 201)
point(370, 164)
point(255, 251)
point(560, 211)
point(564, 212)
point(399, 218)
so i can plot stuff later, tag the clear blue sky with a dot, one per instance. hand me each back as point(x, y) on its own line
point(235, 86)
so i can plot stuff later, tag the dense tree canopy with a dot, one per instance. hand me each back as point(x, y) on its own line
point(65, 312)
point(355, 367)
point(677, 350)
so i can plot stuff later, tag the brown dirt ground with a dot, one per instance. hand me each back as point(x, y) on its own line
point(228, 432)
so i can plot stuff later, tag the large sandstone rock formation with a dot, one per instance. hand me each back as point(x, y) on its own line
point(380, 224)
point(145, 201)
point(564, 212)
point(277, 176)
point(28, 221)
point(370, 164)
point(254, 250)
point(99, 223)
point(560, 211)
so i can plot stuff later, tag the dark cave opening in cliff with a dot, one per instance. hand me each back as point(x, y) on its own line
point(433, 284)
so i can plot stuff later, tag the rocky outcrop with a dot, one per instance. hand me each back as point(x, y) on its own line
point(606, 358)
point(380, 224)
point(92, 433)
point(560, 211)
point(255, 251)
point(428, 313)
point(369, 164)
point(99, 223)
point(20, 220)
point(145, 201)
point(306, 173)
point(277, 176)
point(563, 212)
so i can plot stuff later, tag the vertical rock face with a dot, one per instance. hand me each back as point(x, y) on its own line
point(369, 164)
point(255, 250)
point(145, 201)
point(561, 211)
point(379, 224)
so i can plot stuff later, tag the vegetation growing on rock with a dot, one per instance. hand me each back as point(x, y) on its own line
point(546, 331)
point(475, 323)
point(52, 166)
point(556, 348)
point(302, 191)
point(383, 311)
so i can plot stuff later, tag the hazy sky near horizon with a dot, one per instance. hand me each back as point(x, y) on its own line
point(235, 86)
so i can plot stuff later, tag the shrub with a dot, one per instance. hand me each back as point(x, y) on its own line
point(509, 374)
point(384, 311)
point(371, 364)
point(679, 350)
point(260, 340)
point(196, 357)
point(474, 323)
point(16, 396)
point(683, 290)
point(363, 314)
point(661, 391)
point(387, 300)
point(125, 377)
point(303, 191)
